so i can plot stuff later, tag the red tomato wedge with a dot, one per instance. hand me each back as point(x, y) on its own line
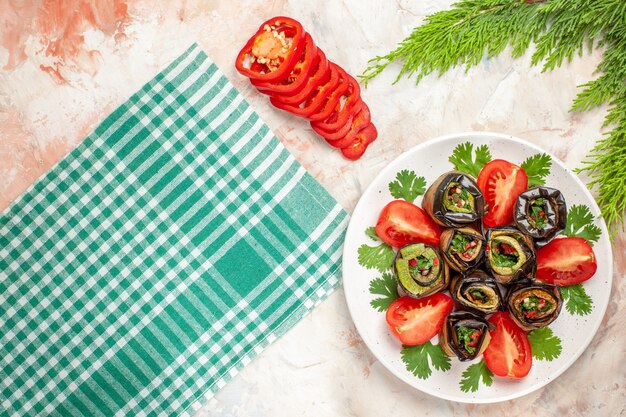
point(566, 261)
point(416, 321)
point(401, 223)
point(508, 353)
point(501, 182)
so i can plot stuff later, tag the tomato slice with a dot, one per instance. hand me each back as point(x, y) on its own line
point(566, 261)
point(508, 353)
point(501, 182)
point(416, 321)
point(401, 223)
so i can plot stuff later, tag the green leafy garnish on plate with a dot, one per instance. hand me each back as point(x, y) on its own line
point(387, 287)
point(576, 299)
point(407, 186)
point(580, 224)
point(416, 359)
point(474, 374)
point(464, 160)
point(378, 257)
point(537, 167)
point(544, 344)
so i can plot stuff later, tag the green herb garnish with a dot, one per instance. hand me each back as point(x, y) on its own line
point(544, 344)
point(416, 358)
point(463, 159)
point(407, 186)
point(576, 299)
point(474, 374)
point(537, 167)
point(385, 286)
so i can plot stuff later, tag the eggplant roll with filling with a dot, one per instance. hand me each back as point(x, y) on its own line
point(477, 292)
point(454, 200)
point(540, 212)
point(465, 335)
point(533, 305)
point(420, 270)
point(463, 249)
point(510, 255)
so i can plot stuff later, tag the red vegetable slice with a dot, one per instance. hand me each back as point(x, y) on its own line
point(359, 122)
point(360, 143)
point(265, 45)
point(501, 182)
point(566, 261)
point(401, 223)
point(321, 74)
point(508, 353)
point(416, 321)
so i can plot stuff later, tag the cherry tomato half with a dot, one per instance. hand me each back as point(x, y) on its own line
point(401, 223)
point(508, 353)
point(501, 182)
point(566, 261)
point(416, 321)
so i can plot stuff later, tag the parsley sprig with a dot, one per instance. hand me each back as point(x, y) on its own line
point(580, 224)
point(385, 286)
point(537, 167)
point(576, 299)
point(378, 257)
point(416, 359)
point(407, 186)
point(465, 160)
point(473, 375)
point(544, 344)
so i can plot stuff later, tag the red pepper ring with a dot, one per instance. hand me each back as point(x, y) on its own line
point(296, 81)
point(343, 113)
point(360, 143)
point(258, 71)
point(338, 134)
point(332, 98)
point(359, 122)
point(316, 101)
point(320, 75)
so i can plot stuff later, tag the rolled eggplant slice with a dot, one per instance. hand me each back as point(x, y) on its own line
point(541, 213)
point(510, 255)
point(463, 249)
point(454, 200)
point(465, 335)
point(477, 292)
point(533, 306)
point(420, 270)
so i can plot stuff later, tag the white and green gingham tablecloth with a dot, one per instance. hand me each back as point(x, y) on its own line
point(160, 256)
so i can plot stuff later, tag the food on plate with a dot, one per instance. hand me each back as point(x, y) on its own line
point(282, 61)
point(501, 182)
point(540, 213)
point(566, 261)
point(464, 335)
point(420, 270)
point(534, 305)
point(510, 254)
point(463, 249)
point(401, 223)
point(508, 354)
point(477, 292)
point(415, 321)
point(454, 200)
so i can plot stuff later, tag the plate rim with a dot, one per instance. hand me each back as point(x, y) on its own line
point(601, 309)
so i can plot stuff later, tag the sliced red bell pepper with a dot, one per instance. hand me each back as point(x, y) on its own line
point(359, 122)
point(341, 132)
point(317, 99)
point(320, 75)
point(360, 143)
point(332, 98)
point(299, 76)
point(264, 42)
point(343, 113)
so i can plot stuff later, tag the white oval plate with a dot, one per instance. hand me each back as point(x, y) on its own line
point(430, 160)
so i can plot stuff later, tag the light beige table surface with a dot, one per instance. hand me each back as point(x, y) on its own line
point(64, 68)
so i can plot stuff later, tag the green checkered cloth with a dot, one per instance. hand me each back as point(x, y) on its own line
point(160, 256)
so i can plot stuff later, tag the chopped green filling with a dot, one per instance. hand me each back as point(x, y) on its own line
point(504, 255)
point(533, 304)
point(464, 245)
point(478, 294)
point(468, 338)
point(458, 199)
point(537, 214)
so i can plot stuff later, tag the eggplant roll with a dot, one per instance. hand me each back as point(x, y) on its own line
point(465, 335)
point(420, 270)
point(454, 200)
point(541, 213)
point(477, 292)
point(533, 305)
point(463, 249)
point(510, 255)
